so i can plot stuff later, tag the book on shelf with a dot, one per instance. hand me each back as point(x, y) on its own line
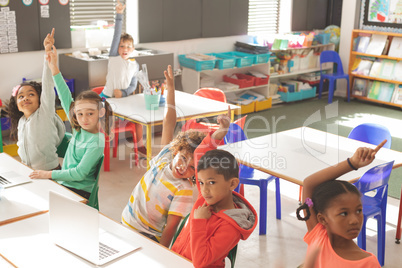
point(381, 91)
point(397, 97)
point(362, 66)
point(387, 69)
point(395, 49)
point(376, 68)
point(360, 87)
point(398, 71)
point(363, 43)
point(386, 47)
point(376, 44)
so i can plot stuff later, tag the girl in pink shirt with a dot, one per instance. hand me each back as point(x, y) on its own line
point(334, 215)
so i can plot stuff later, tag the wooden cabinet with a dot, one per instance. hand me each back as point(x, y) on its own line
point(356, 56)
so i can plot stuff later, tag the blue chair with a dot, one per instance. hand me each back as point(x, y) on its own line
point(371, 133)
point(332, 56)
point(247, 176)
point(376, 179)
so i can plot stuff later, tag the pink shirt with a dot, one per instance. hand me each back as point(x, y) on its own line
point(328, 258)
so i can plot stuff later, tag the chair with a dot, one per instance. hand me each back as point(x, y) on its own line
point(247, 176)
point(377, 179)
point(201, 124)
point(371, 133)
point(62, 148)
point(93, 200)
point(119, 127)
point(231, 255)
point(332, 56)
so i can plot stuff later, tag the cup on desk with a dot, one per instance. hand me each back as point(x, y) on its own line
point(152, 101)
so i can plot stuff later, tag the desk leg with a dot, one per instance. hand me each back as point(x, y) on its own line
point(398, 226)
point(232, 116)
point(149, 144)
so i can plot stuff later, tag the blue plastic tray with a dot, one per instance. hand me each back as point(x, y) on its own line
point(242, 59)
point(196, 65)
point(223, 63)
point(296, 96)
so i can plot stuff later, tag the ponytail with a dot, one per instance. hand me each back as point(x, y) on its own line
point(107, 121)
point(308, 203)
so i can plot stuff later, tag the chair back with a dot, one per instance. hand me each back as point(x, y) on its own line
point(98, 90)
point(371, 133)
point(235, 134)
point(376, 178)
point(331, 56)
point(93, 200)
point(211, 93)
point(62, 148)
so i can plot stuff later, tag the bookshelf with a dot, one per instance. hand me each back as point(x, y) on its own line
point(367, 77)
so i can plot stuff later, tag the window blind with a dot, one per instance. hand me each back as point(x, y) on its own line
point(88, 12)
point(263, 17)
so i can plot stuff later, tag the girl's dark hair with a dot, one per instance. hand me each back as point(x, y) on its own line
point(323, 194)
point(106, 121)
point(223, 162)
point(12, 111)
point(188, 140)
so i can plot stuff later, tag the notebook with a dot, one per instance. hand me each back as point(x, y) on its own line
point(74, 226)
point(12, 178)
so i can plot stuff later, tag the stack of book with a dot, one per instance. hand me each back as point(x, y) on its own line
point(251, 48)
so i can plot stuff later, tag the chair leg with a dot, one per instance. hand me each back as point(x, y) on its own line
point(398, 226)
point(300, 194)
point(347, 81)
point(381, 222)
point(115, 144)
point(263, 206)
point(135, 149)
point(106, 152)
point(278, 198)
point(320, 88)
point(331, 90)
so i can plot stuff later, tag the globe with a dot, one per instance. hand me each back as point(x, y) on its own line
point(335, 32)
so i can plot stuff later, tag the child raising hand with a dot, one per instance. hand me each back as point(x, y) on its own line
point(334, 217)
point(88, 115)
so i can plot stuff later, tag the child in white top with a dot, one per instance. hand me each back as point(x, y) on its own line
point(33, 118)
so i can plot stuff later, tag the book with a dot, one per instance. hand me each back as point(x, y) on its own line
point(364, 67)
point(381, 91)
point(398, 71)
point(376, 68)
point(359, 87)
point(363, 43)
point(387, 69)
point(395, 49)
point(397, 97)
point(376, 44)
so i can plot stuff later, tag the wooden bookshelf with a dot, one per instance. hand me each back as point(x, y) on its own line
point(354, 55)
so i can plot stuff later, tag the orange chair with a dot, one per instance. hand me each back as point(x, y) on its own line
point(120, 127)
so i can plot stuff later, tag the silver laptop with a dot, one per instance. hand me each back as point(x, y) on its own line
point(74, 226)
point(12, 178)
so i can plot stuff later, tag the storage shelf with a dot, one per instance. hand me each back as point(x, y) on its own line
point(245, 88)
point(377, 101)
point(376, 78)
point(298, 48)
point(375, 56)
point(298, 72)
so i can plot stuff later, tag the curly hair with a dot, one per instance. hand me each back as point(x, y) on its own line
point(12, 111)
point(188, 140)
point(89, 95)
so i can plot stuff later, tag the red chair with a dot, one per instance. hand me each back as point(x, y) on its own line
point(119, 127)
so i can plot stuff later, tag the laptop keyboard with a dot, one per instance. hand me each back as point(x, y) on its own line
point(106, 251)
point(4, 181)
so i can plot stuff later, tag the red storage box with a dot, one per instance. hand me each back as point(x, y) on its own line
point(261, 81)
point(242, 80)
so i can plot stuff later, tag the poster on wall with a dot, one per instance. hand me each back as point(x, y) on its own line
point(386, 13)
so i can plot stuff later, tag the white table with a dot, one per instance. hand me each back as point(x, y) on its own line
point(188, 106)
point(27, 243)
point(28, 199)
point(294, 154)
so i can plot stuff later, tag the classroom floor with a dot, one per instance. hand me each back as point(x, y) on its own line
point(283, 245)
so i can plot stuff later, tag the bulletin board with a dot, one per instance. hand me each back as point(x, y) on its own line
point(25, 23)
point(383, 13)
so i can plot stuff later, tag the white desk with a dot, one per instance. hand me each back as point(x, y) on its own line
point(27, 199)
point(27, 243)
point(188, 106)
point(297, 153)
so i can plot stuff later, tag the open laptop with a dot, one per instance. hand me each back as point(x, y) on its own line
point(11, 178)
point(74, 226)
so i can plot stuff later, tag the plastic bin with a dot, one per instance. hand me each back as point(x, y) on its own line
point(242, 59)
point(196, 65)
point(296, 96)
point(261, 58)
point(5, 123)
point(263, 105)
point(224, 63)
point(245, 109)
point(258, 81)
point(243, 80)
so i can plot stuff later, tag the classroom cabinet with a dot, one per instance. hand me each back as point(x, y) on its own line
point(375, 67)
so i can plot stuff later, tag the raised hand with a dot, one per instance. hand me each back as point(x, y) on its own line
point(49, 41)
point(169, 78)
point(364, 156)
point(51, 58)
point(120, 8)
point(224, 123)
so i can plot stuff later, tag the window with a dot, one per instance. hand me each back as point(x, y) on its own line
point(89, 12)
point(263, 17)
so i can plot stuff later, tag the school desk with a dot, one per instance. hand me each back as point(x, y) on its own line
point(294, 154)
point(188, 106)
point(26, 243)
point(29, 199)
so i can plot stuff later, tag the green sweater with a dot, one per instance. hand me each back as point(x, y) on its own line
point(83, 152)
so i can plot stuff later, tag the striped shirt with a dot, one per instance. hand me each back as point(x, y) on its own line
point(157, 195)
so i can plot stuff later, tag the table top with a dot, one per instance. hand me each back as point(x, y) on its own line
point(187, 106)
point(297, 153)
point(29, 198)
point(37, 249)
